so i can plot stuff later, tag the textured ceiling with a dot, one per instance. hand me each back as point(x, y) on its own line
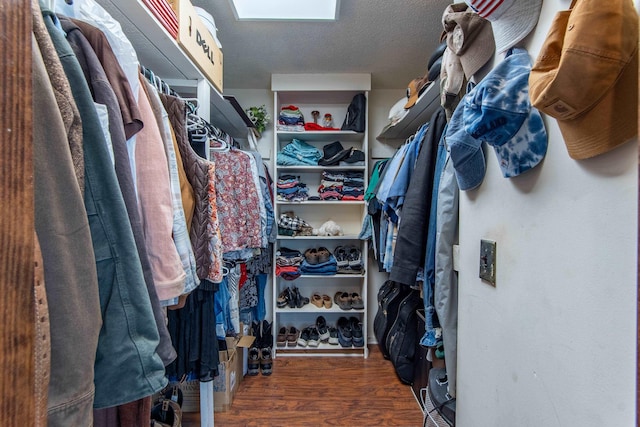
point(390, 39)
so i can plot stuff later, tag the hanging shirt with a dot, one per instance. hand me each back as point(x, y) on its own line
point(156, 208)
point(238, 202)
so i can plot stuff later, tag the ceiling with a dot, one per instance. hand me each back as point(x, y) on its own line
point(390, 39)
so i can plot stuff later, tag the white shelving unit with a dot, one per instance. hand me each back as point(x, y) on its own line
point(416, 116)
point(326, 93)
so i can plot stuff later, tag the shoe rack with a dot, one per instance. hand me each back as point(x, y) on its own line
point(317, 95)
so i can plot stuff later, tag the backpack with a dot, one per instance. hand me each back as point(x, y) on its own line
point(390, 295)
point(356, 114)
point(403, 336)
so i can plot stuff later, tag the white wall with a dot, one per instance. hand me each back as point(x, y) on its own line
point(554, 343)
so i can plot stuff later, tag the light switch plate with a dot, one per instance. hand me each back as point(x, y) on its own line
point(488, 261)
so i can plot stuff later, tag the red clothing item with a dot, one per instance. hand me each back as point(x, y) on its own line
point(315, 126)
point(243, 275)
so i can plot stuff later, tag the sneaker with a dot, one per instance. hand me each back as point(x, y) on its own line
point(303, 339)
point(356, 332)
point(323, 330)
point(340, 253)
point(333, 336)
point(314, 337)
point(344, 332)
point(355, 258)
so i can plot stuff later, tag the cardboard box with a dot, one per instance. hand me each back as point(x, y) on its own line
point(225, 385)
point(198, 43)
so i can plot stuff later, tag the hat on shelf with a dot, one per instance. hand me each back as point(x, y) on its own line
point(333, 153)
point(498, 111)
point(436, 54)
point(470, 46)
point(512, 20)
point(415, 89)
point(593, 96)
point(420, 84)
point(355, 157)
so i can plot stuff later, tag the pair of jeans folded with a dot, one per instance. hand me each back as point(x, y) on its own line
point(325, 268)
point(300, 151)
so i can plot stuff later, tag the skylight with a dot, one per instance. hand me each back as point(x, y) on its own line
point(285, 10)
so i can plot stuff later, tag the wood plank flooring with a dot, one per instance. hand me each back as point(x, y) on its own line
point(322, 391)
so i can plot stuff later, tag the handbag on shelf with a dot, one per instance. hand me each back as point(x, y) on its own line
point(356, 114)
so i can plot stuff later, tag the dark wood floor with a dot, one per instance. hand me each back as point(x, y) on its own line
point(322, 391)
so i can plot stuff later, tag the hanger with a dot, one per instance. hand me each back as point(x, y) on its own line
point(192, 104)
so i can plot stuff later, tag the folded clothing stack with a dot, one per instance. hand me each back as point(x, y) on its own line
point(288, 262)
point(341, 185)
point(290, 189)
point(290, 119)
point(291, 225)
point(297, 153)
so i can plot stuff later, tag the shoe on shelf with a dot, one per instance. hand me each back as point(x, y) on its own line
point(356, 301)
point(281, 338)
point(343, 299)
point(314, 337)
point(355, 258)
point(266, 361)
point(303, 339)
point(340, 253)
point(356, 332)
point(284, 298)
point(293, 300)
point(333, 336)
point(326, 301)
point(298, 300)
point(292, 336)
point(344, 332)
point(323, 255)
point(316, 300)
point(311, 255)
point(323, 329)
